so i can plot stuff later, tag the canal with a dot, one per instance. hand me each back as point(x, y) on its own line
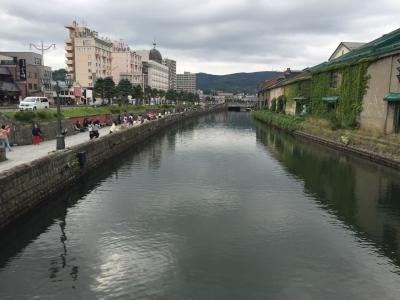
point(220, 207)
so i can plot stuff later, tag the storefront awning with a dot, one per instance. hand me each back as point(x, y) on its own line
point(8, 87)
point(4, 71)
point(300, 99)
point(392, 97)
point(330, 99)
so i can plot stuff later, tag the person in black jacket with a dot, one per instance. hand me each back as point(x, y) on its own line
point(36, 132)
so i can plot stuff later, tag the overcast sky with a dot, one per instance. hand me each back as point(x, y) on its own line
point(212, 36)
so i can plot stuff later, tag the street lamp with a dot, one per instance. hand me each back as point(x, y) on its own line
point(60, 137)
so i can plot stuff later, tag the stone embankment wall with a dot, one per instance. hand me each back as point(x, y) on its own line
point(378, 151)
point(24, 187)
point(2, 153)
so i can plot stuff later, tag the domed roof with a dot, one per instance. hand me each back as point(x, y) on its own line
point(155, 55)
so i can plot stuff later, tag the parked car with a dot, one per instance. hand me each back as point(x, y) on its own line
point(33, 103)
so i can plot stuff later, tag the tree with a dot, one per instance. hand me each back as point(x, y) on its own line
point(137, 92)
point(161, 94)
point(109, 88)
point(124, 89)
point(99, 89)
point(171, 95)
point(59, 75)
point(147, 92)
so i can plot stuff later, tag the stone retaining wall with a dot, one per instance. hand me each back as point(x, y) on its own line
point(24, 187)
point(381, 158)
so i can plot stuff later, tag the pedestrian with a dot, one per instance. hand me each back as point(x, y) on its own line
point(113, 128)
point(5, 132)
point(125, 120)
point(130, 119)
point(36, 133)
point(85, 123)
point(90, 127)
point(96, 128)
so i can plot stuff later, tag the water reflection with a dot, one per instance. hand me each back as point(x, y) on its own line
point(363, 195)
point(213, 208)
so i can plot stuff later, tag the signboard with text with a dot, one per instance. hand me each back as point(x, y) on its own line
point(22, 69)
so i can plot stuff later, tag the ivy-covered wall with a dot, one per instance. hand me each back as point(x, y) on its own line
point(299, 88)
point(351, 88)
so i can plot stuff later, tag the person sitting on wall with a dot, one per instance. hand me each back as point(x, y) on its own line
point(95, 129)
point(85, 123)
point(78, 127)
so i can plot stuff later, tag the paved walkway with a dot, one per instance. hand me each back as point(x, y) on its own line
point(25, 154)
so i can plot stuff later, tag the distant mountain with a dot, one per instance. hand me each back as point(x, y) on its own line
point(235, 83)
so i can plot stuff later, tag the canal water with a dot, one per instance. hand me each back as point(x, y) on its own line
point(216, 208)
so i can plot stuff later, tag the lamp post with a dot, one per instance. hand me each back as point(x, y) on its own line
point(60, 137)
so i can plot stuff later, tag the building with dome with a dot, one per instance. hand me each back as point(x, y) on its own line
point(155, 74)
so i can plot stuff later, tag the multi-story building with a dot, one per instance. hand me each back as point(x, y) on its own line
point(88, 55)
point(155, 74)
point(38, 77)
point(171, 64)
point(126, 64)
point(186, 82)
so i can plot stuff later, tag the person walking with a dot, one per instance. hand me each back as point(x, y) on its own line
point(90, 127)
point(96, 128)
point(36, 133)
point(5, 132)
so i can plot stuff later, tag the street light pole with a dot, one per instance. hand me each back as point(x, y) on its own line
point(42, 48)
point(60, 137)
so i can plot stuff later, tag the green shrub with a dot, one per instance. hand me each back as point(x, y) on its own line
point(45, 114)
point(334, 122)
point(25, 116)
point(115, 110)
point(289, 123)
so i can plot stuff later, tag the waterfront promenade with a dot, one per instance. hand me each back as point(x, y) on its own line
point(28, 153)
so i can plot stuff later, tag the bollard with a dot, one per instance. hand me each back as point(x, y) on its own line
point(2, 153)
point(81, 158)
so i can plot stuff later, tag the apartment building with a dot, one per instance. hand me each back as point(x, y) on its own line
point(186, 82)
point(126, 64)
point(171, 64)
point(88, 55)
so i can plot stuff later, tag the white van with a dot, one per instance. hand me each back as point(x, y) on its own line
point(34, 103)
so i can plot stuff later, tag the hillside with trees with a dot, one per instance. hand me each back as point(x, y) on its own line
point(235, 83)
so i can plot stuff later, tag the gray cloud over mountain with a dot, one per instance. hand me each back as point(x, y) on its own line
point(220, 36)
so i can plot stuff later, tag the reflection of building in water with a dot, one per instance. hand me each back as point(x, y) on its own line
point(361, 194)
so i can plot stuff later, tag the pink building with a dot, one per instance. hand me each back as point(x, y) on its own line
point(126, 64)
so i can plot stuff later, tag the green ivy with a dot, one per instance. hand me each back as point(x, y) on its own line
point(351, 89)
point(281, 102)
point(300, 88)
point(273, 104)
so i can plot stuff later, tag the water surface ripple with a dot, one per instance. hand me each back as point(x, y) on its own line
point(215, 208)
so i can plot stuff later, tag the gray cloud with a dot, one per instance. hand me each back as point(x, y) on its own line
point(219, 36)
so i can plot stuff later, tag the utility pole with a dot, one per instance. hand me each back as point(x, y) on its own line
point(42, 48)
